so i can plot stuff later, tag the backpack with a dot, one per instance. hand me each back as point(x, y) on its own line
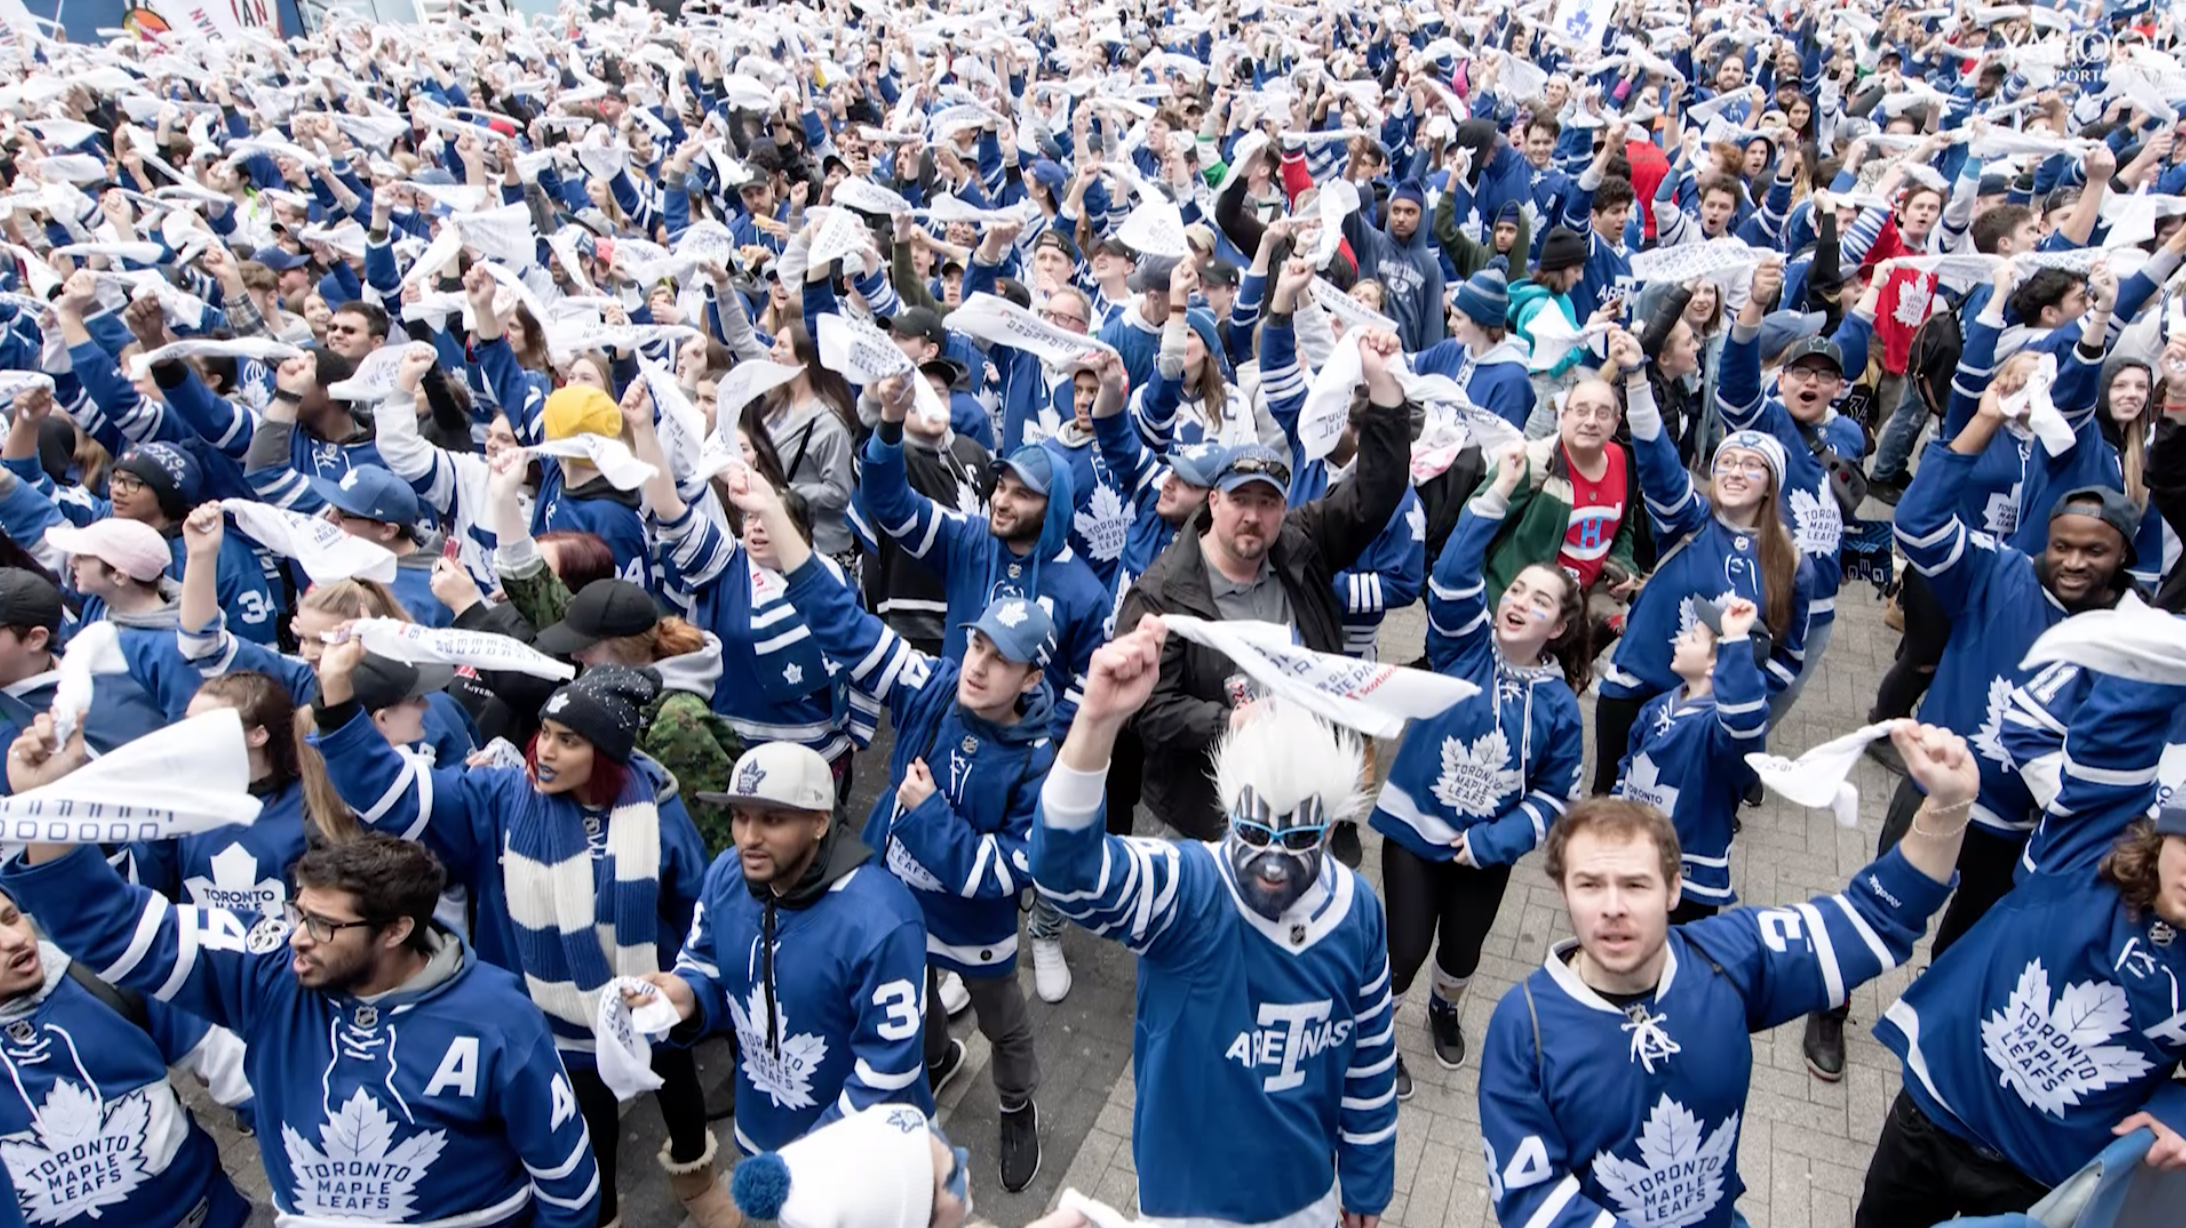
point(1932, 363)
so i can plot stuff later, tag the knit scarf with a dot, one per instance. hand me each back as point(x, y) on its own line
point(571, 938)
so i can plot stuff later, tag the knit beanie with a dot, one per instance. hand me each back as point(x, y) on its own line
point(1508, 214)
point(1411, 191)
point(870, 1169)
point(604, 706)
point(171, 474)
point(1756, 441)
point(1485, 298)
point(1564, 248)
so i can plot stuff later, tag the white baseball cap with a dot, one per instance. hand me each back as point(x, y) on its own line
point(779, 776)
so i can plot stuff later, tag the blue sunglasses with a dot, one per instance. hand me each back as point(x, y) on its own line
point(1254, 822)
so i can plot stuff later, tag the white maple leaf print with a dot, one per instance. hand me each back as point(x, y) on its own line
point(235, 885)
point(1103, 523)
point(1645, 785)
point(969, 502)
point(79, 1156)
point(1678, 1178)
point(358, 1170)
point(1989, 739)
point(1475, 777)
point(1913, 297)
point(781, 1070)
point(2000, 515)
point(2054, 1054)
point(1818, 525)
point(1687, 619)
point(1415, 521)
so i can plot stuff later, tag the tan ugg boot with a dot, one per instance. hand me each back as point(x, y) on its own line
point(699, 1189)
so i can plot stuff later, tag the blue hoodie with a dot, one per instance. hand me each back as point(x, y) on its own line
point(976, 566)
point(963, 851)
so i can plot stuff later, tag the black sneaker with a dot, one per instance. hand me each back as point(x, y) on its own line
point(951, 1065)
point(1404, 1081)
point(1824, 1045)
point(1883, 752)
point(1344, 843)
point(1020, 1146)
point(1888, 490)
point(1448, 1034)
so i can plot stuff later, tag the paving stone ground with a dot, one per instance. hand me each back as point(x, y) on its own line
point(1804, 1146)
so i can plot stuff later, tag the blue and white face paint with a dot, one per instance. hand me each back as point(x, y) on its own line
point(1275, 857)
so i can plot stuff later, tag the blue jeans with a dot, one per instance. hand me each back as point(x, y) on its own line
point(1895, 449)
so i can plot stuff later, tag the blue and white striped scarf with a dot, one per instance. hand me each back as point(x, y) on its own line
point(572, 938)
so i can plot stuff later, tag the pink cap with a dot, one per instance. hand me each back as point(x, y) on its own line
point(130, 546)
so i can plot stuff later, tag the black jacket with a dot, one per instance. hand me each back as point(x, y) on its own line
point(1189, 709)
point(910, 596)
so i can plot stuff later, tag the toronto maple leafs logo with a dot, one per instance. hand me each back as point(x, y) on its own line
point(1678, 1178)
point(749, 776)
point(1688, 615)
point(1989, 739)
point(358, 1170)
point(1818, 525)
point(1103, 523)
point(2000, 516)
point(793, 673)
point(80, 1154)
point(1644, 785)
point(1913, 300)
point(907, 868)
point(2054, 1053)
point(1012, 614)
point(1475, 777)
point(235, 885)
point(556, 704)
point(782, 1071)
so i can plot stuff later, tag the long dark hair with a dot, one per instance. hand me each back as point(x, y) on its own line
point(264, 703)
point(832, 389)
point(1572, 651)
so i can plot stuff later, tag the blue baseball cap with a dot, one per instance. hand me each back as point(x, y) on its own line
point(1255, 462)
point(369, 492)
point(1019, 628)
point(1032, 465)
point(1199, 465)
point(278, 258)
point(1049, 174)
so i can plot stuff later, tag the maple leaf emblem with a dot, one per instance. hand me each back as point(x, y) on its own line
point(1678, 1177)
point(1687, 619)
point(1819, 525)
point(1012, 614)
point(79, 1155)
point(968, 500)
point(783, 1070)
point(2054, 1055)
point(1475, 777)
point(358, 1163)
point(235, 885)
point(1913, 299)
point(1989, 739)
point(1103, 523)
point(1645, 785)
point(1415, 521)
point(793, 673)
point(2000, 516)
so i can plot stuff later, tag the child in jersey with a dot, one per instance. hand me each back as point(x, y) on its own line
point(1687, 755)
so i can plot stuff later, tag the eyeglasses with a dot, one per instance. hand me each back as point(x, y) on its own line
point(1258, 466)
point(1812, 375)
point(1064, 318)
point(344, 329)
point(123, 484)
point(1590, 413)
point(1751, 468)
point(1254, 822)
point(321, 929)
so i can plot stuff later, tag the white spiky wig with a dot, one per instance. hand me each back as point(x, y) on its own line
point(1287, 754)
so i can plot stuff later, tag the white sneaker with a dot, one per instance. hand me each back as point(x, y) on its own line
point(1050, 972)
point(954, 997)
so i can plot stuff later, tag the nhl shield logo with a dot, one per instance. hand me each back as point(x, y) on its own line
point(368, 1016)
point(971, 745)
point(20, 1032)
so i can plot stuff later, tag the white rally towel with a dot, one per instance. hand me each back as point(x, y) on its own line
point(1686, 261)
point(864, 355)
point(624, 1036)
point(2131, 641)
point(1328, 398)
point(997, 321)
point(189, 777)
point(92, 651)
point(268, 352)
point(376, 376)
point(423, 645)
point(2031, 405)
point(1353, 313)
point(319, 546)
point(1372, 697)
point(746, 382)
point(612, 457)
point(1817, 778)
point(1098, 1214)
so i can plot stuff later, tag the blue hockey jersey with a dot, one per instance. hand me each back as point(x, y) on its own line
point(91, 1129)
point(1495, 380)
point(2041, 713)
point(436, 1100)
point(464, 815)
point(977, 567)
point(1277, 1038)
point(1998, 606)
point(962, 850)
point(842, 972)
point(1698, 557)
point(1498, 767)
point(1593, 1112)
point(2057, 1015)
point(1687, 758)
